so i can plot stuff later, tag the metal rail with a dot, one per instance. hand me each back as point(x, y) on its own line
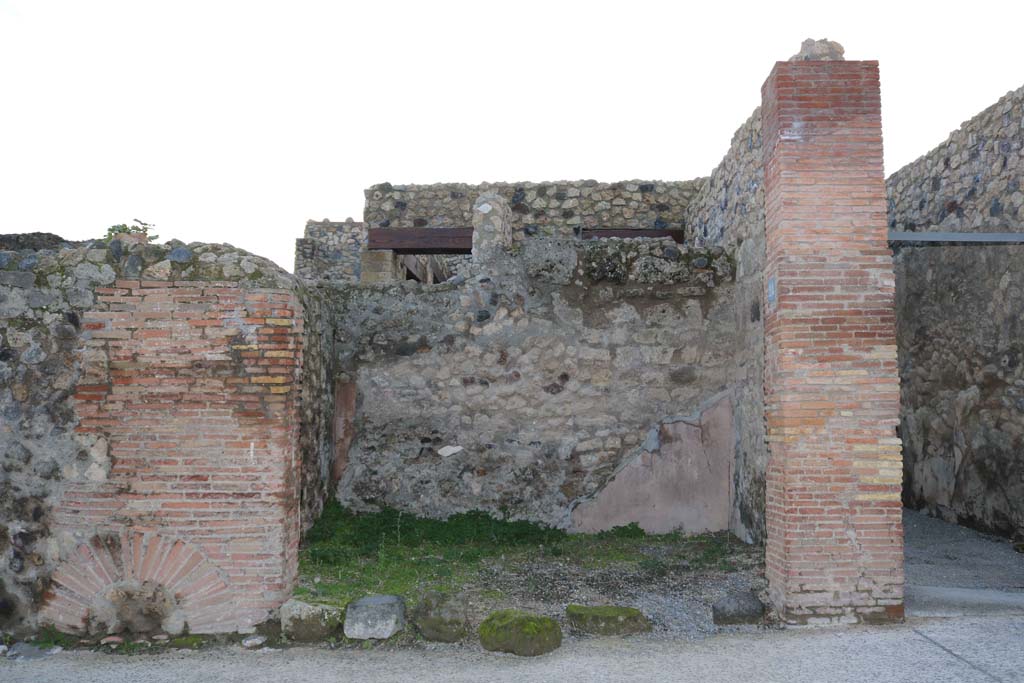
point(968, 237)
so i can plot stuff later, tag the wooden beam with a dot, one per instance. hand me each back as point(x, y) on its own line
point(415, 267)
point(421, 240)
point(460, 240)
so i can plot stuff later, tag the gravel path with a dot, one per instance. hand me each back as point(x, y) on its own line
point(961, 651)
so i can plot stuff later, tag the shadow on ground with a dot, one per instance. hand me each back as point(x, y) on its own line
point(955, 571)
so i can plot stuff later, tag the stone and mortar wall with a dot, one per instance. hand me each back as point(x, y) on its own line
point(728, 211)
point(959, 323)
point(530, 386)
point(972, 181)
point(961, 342)
point(330, 251)
point(148, 478)
point(558, 209)
point(316, 427)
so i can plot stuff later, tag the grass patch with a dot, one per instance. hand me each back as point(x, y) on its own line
point(49, 637)
point(348, 555)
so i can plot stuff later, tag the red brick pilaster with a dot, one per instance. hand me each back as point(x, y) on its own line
point(835, 538)
point(193, 386)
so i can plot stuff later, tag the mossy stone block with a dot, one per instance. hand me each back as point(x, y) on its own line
point(442, 618)
point(520, 633)
point(607, 620)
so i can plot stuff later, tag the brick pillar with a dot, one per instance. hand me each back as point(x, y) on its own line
point(835, 538)
point(194, 387)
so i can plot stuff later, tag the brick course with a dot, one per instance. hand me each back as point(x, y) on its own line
point(834, 536)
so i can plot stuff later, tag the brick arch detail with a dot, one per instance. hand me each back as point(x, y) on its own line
point(200, 591)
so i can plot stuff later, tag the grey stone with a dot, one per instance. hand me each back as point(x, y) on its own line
point(442, 618)
point(303, 622)
point(375, 617)
point(133, 267)
point(12, 303)
point(17, 453)
point(520, 633)
point(608, 620)
point(180, 255)
point(158, 271)
point(741, 607)
point(818, 50)
point(46, 468)
point(17, 279)
point(253, 642)
point(25, 651)
point(33, 355)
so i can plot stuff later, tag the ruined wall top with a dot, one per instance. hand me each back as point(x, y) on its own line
point(548, 208)
point(823, 50)
point(972, 181)
point(55, 262)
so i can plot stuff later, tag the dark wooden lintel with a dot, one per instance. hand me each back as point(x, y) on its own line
point(421, 240)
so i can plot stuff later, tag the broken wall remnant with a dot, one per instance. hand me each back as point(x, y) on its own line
point(522, 389)
point(330, 251)
point(554, 209)
point(959, 323)
point(971, 182)
point(148, 437)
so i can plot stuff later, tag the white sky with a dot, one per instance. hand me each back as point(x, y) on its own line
point(236, 121)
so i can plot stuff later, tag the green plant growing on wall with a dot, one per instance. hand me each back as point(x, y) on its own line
point(141, 228)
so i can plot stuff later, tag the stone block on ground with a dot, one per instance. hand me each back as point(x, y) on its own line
point(741, 607)
point(520, 633)
point(303, 622)
point(375, 617)
point(442, 618)
point(607, 620)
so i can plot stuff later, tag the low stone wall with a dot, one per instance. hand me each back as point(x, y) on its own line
point(972, 181)
point(529, 387)
point(558, 209)
point(149, 402)
point(728, 211)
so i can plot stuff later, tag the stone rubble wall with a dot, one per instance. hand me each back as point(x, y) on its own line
point(972, 181)
point(148, 436)
point(728, 211)
point(959, 324)
point(316, 428)
point(330, 251)
point(961, 342)
point(556, 209)
point(525, 388)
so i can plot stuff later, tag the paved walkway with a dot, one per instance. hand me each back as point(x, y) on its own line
point(954, 571)
point(960, 650)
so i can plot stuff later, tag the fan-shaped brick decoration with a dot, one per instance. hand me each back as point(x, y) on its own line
point(132, 581)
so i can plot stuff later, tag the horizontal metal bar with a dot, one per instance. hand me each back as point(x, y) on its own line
point(975, 237)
